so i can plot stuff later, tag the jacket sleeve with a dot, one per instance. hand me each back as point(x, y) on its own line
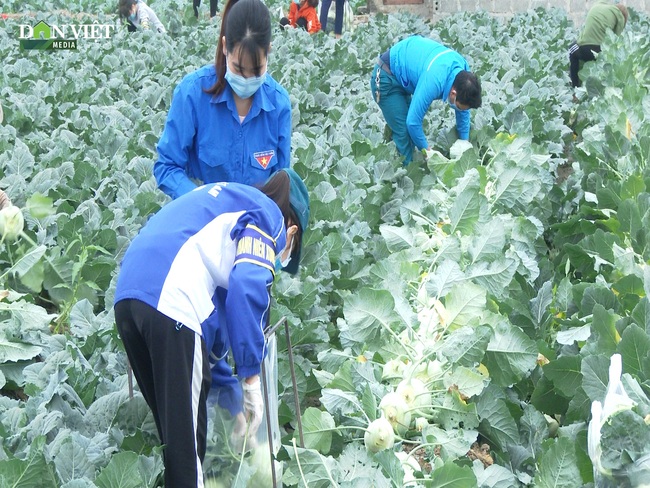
point(143, 17)
point(175, 143)
point(158, 25)
point(247, 310)
point(429, 88)
point(293, 13)
point(314, 22)
point(620, 22)
point(463, 124)
point(226, 387)
point(283, 106)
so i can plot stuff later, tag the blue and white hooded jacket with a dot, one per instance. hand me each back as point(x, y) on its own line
point(207, 261)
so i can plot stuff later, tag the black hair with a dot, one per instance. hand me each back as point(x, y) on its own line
point(246, 23)
point(278, 189)
point(313, 3)
point(301, 22)
point(124, 8)
point(468, 89)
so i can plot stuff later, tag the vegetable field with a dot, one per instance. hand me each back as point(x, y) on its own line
point(472, 302)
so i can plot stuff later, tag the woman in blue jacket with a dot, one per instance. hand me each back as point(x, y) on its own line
point(409, 77)
point(230, 121)
point(194, 287)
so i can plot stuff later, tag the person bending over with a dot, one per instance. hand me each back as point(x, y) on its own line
point(139, 15)
point(409, 77)
point(603, 16)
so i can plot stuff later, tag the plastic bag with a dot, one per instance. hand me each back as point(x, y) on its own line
point(618, 437)
point(348, 17)
point(243, 461)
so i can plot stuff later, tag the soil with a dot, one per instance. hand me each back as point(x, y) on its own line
point(477, 451)
point(482, 453)
point(18, 394)
point(563, 172)
point(420, 456)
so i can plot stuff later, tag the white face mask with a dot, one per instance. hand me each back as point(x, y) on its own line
point(244, 87)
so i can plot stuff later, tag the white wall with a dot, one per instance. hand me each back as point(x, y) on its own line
point(436, 9)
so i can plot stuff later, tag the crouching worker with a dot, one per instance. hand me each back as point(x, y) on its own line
point(195, 284)
point(303, 14)
point(139, 14)
point(409, 77)
point(603, 16)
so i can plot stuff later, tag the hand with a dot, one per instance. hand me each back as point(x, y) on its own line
point(238, 435)
point(428, 153)
point(253, 404)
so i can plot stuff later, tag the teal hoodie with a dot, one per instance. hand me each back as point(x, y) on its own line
point(427, 70)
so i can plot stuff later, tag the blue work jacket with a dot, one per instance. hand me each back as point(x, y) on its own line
point(427, 70)
point(205, 141)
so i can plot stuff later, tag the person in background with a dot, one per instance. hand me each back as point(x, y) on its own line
point(229, 121)
point(338, 16)
point(409, 77)
point(194, 286)
point(303, 14)
point(214, 7)
point(603, 16)
point(139, 14)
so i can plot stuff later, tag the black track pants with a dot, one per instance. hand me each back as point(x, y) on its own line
point(577, 54)
point(170, 364)
point(214, 7)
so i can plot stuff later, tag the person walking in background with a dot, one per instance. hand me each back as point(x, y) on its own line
point(302, 13)
point(214, 7)
point(603, 16)
point(194, 287)
point(139, 14)
point(409, 77)
point(338, 16)
point(228, 121)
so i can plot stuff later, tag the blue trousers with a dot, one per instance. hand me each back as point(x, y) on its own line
point(394, 103)
point(338, 17)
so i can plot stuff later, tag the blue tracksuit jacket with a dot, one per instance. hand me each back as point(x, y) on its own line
point(207, 261)
point(203, 138)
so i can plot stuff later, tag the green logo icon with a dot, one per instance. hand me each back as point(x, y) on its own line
point(42, 30)
point(42, 36)
point(45, 36)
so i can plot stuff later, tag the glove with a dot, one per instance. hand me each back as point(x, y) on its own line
point(428, 153)
point(253, 406)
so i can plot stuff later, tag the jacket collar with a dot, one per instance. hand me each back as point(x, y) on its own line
point(261, 99)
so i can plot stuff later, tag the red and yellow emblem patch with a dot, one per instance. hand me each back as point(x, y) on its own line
point(264, 158)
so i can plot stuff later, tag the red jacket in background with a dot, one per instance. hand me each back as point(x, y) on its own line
point(307, 12)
